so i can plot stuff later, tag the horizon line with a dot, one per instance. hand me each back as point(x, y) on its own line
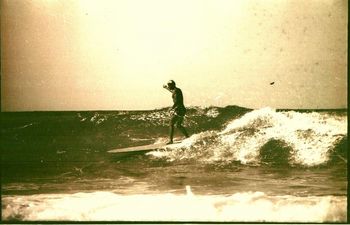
point(189, 107)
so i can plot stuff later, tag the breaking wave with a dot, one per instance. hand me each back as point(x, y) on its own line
point(220, 135)
point(268, 136)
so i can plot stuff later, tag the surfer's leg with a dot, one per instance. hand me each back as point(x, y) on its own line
point(181, 128)
point(171, 129)
point(171, 134)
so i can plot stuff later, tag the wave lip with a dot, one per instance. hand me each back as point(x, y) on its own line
point(306, 139)
point(238, 207)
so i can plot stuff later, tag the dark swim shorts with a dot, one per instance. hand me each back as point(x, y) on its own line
point(176, 120)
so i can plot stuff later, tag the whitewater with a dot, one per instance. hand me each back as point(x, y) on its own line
point(306, 139)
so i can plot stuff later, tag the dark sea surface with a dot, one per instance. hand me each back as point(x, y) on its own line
point(239, 165)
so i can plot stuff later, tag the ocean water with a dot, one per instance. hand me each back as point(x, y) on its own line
point(239, 165)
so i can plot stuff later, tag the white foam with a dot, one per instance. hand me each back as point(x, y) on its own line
point(238, 207)
point(213, 112)
point(311, 136)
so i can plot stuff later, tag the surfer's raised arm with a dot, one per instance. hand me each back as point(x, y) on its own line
point(166, 87)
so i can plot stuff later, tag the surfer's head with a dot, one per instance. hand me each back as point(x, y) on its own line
point(171, 84)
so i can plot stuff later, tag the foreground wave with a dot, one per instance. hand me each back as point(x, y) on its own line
point(109, 206)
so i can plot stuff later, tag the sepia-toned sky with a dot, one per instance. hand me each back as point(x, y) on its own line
point(117, 54)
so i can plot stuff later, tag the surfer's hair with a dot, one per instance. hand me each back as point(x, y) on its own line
point(171, 83)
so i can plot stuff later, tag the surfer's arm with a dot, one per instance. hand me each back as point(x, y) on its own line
point(166, 87)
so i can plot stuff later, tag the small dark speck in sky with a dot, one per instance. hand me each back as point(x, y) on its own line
point(272, 83)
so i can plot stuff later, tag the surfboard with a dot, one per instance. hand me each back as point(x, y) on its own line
point(144, 148)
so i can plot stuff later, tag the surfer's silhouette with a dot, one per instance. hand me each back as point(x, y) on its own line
point(178, 110)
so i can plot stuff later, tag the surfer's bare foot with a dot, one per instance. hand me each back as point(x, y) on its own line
point(169, 142)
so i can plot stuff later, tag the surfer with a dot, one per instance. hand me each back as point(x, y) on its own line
point(178, 110)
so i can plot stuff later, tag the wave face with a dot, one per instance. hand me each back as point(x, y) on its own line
point(62, 136)
point(268, 137)
point(108, 206)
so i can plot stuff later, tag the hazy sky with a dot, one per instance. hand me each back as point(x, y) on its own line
point(117, 54)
